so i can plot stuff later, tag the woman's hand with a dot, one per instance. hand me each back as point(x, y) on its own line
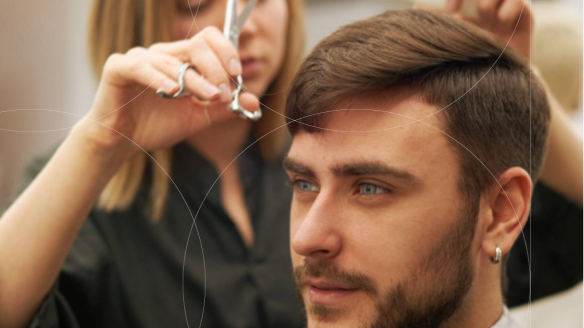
point(562, 168)
point(127, 105)
point(505, 18)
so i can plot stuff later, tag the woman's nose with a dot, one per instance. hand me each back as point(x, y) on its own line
point(250, 26)
point(318, 236)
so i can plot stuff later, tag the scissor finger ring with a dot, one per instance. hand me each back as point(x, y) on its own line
point(235, 107)
point(182, 91)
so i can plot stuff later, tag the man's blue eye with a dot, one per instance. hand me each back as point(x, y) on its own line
point(371, 189)
point(305, 186)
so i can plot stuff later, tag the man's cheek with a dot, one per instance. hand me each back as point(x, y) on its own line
point(383, 252)
point(295, 222)
point(296, 259)
point(298, 212)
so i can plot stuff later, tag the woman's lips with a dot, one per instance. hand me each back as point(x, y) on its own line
point(251, 68)
point(329, 295)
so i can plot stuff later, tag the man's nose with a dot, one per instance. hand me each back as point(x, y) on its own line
point(318, 236)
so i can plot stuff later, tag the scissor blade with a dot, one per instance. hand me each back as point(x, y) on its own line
point(244, 14)
point(230, 21)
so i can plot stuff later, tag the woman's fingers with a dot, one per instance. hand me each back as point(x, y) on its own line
point(487, 12)
point(209, 38)
point(125, 70)
point(216, 112)
point(208, 64)
point(509, 19)
point(194, 82)
point(453, 6)
point(466, 18)
point(209, 74)
point(224, 49)
point(510, 13)
point(249, 101)
point(186, 49)
point(210, 82)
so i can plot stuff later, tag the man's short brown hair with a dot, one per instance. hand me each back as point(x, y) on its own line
point(495, 106)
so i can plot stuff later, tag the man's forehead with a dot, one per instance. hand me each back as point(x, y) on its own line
point(379, 111)
point(382, 134)
point(376, 120)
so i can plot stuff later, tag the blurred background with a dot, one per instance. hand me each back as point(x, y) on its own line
point(47, 84)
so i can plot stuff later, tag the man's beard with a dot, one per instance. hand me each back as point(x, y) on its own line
point(415, 301)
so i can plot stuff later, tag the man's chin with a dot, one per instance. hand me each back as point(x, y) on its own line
point(347, 311)
point(326, 313)
point(327, 316)
point(324, 317)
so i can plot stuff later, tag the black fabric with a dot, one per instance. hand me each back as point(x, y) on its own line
point(124, 271)
point(554, 237)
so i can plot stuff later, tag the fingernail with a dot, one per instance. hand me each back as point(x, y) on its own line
point(235, 67)
point(450, 6)
point(210, 90)
point(168, 85)
point(225, 92)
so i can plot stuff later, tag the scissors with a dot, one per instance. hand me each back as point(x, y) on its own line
point(231, 30)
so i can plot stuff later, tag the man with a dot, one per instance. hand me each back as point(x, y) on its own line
point(416, 146)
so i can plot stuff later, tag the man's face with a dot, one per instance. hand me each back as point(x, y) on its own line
point(380, 235)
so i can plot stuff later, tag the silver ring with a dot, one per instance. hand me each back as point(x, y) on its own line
point(182, 91)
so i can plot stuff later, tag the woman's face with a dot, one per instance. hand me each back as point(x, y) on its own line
point(262, 41)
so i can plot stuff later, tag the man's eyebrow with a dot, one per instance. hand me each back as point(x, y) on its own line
point(297, 167)
point(373, 168)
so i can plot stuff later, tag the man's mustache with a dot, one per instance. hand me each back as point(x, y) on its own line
point(328, 271)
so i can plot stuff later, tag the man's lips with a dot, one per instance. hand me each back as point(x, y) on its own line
point(323, 292)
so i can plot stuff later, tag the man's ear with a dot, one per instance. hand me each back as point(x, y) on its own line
point(510, 210)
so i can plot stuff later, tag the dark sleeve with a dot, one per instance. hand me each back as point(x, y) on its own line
point(78, 294)
point(54, 311)
point(77, 284)
point(553, 235)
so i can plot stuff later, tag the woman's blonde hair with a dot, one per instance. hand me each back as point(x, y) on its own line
point(118, 25)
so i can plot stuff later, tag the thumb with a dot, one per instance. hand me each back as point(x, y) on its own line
point(219, 111)
point(466, 18)
point(249, 101)
point(453, 6)
point(427, 8)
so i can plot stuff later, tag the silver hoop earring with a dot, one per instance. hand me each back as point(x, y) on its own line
point(497, 257)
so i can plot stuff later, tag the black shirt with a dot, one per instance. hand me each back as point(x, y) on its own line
point(553, 235)
point(125, 271)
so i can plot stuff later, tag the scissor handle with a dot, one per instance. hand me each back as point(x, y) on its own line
point(182, 91)
point(235, 107)
point(244, 113)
